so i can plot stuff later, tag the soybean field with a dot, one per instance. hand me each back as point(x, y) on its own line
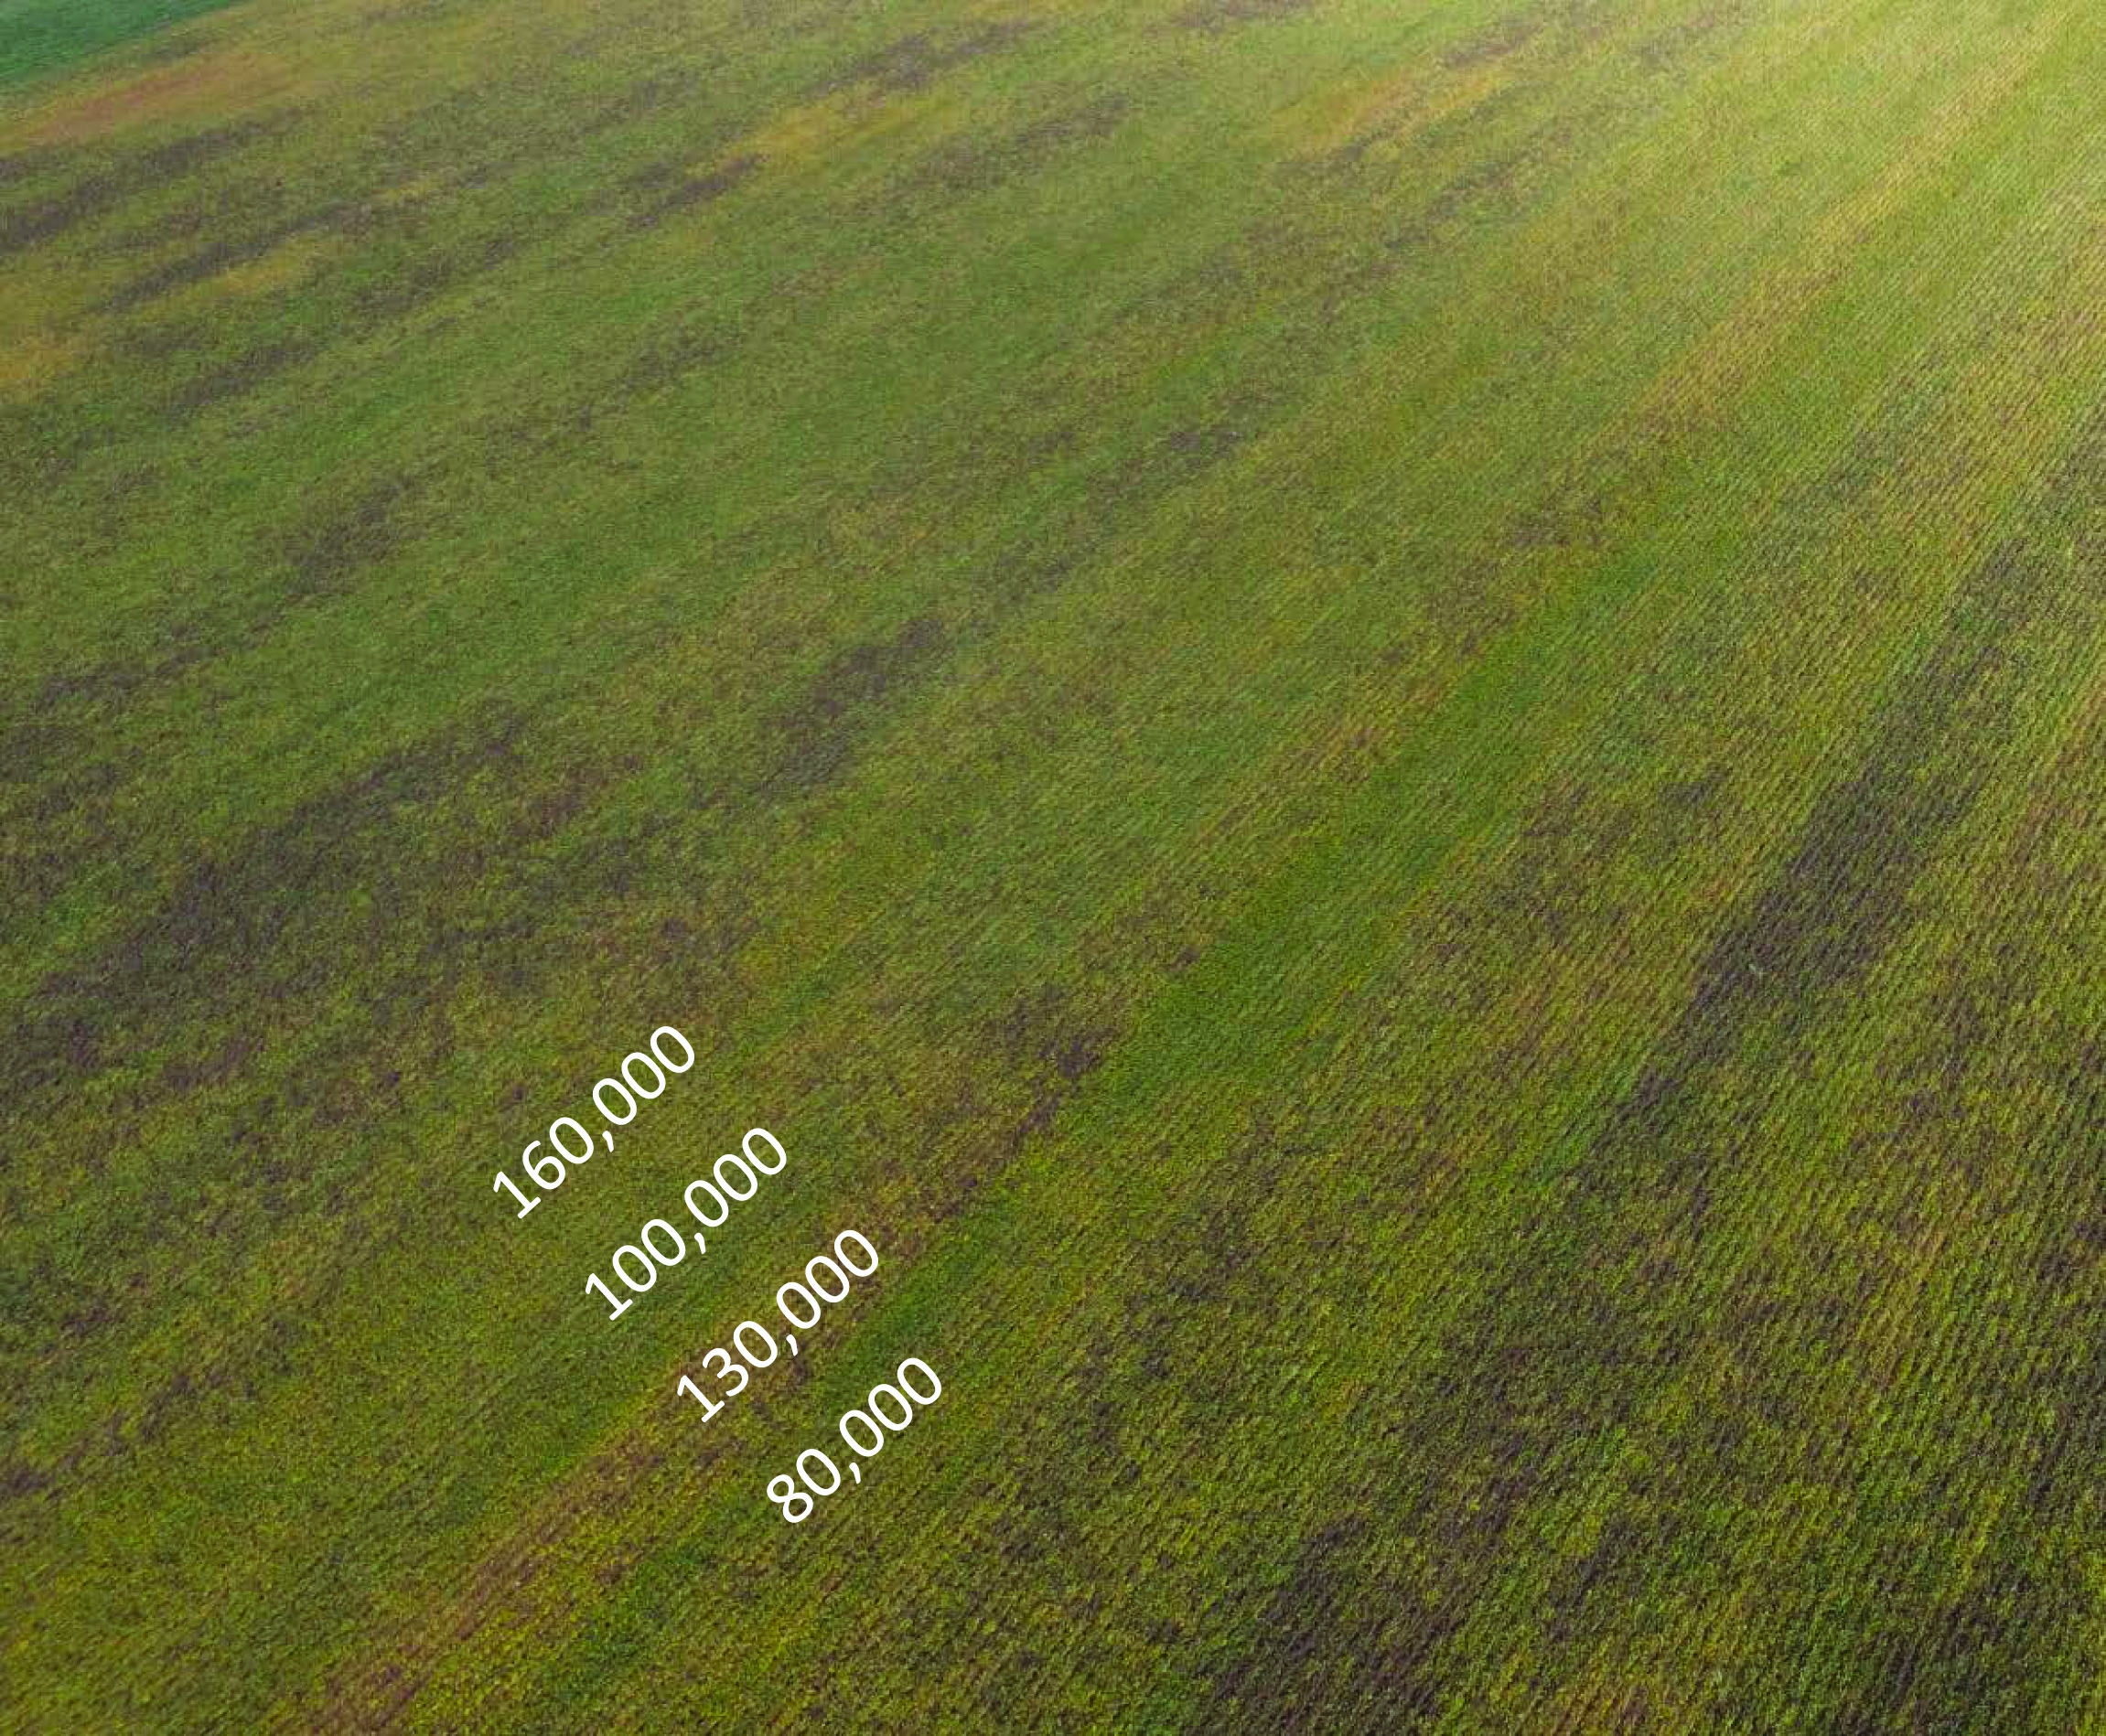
point(1349, 755)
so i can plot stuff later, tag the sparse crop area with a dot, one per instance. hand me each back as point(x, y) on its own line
point(1380, 725)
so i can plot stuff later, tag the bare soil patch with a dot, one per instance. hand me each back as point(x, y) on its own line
point(915, 62)
point(1212, 16)
point(670, 190)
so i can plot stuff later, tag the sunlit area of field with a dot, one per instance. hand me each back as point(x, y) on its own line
point(1378, 725)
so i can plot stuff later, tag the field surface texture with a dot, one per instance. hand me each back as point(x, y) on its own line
point(1380, 724)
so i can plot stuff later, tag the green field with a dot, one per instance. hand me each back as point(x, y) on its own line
point(1381, 725)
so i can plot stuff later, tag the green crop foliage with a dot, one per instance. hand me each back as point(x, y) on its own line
point(36, 37)
point(1379, 725)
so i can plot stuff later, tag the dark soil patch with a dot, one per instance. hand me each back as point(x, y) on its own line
point(1201, 446)
point(1039, 1033)
point(423, 276)
point(1576, 19)
point(670, 190)
point(21, 166)
point(158, 343)
point(1333, 1633)
point(669, 357)
point(1181, 456)
point(218, 256)
point(814, 741)
point(225, 928)
point(1207, 1292)
point(1046, 1044)
point(975, 165)
point(915, 62)
point(327, 553)
point(1623, 1553)
point(1492, 182)
point(1495, 42)
point(115, 681)
point(646, 96)
point(1170, 461)
point(1214, 15)
point(1972, 1662)
point(237, 379)
point(543, 429)
point(1544, 894)
point(56, 808)
point(228, 1062)
point(143, 172)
